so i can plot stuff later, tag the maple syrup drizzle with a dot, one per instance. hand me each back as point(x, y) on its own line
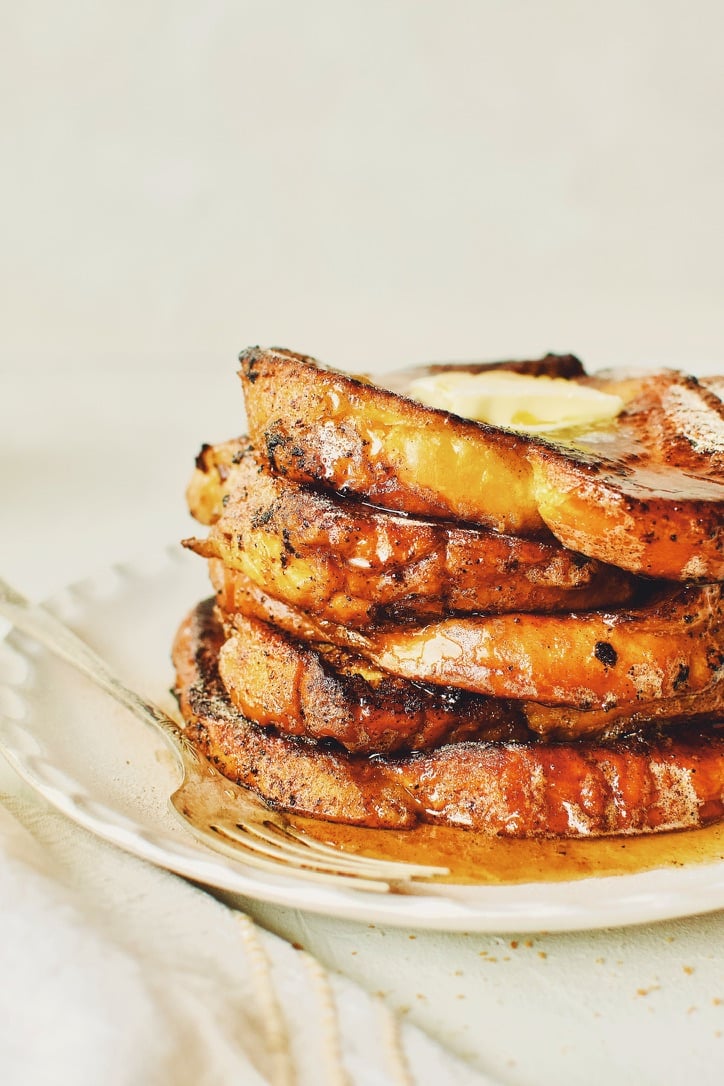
point(476, 859)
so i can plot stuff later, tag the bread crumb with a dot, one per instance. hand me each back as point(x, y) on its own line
point(647, 991)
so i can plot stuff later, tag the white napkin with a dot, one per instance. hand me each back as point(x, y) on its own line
point(116, 972)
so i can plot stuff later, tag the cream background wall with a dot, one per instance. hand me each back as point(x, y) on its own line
point(373, 182)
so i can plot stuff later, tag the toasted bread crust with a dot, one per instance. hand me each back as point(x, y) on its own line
point(670, 648)
point(324, 693)
point(317, 425)
point(509, 789)
point(294, 774)
point(360, 566)
point(561, 724)
point(644, 501)
point(655, 499)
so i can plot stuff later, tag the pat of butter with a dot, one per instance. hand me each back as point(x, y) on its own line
point(516, 401)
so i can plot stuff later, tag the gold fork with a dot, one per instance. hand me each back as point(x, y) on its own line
point(221, 814)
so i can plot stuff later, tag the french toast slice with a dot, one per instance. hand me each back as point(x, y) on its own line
point(656, 487)
point(645, 492)
point(323, 692)
point(630, 786)
point(314, 424)
point(359, 565)
point(669, 647)
point(561, 724)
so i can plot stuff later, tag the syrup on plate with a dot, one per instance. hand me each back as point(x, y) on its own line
point(476, 859)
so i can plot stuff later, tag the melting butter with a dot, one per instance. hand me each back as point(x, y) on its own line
point(516, 401)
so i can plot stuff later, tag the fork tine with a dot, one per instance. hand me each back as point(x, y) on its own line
point(402, 868)
point(249, 839)
point(239, 849)
point(293, 840)
point(240, 816)
point(271, 845)
point(275, 826)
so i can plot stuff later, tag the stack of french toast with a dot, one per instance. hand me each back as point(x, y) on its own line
point(512, 622)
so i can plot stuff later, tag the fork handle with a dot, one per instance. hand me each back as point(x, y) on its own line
point(44, 627)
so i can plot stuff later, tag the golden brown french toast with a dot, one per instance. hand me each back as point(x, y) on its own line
point(313, 424)
point(559, 723)
point(406, 628)
point(580, 789)
point(321, 692)
point(656, 498)
point(359, 565)
point(645, 492)
point(324, 692)
point(669, 647)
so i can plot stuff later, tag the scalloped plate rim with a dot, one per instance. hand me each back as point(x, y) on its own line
point(579, 905)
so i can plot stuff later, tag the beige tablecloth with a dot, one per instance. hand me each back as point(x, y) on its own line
point(114, 971)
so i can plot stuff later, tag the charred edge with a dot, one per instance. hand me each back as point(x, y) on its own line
point(249, 361)
point(202, 458)
point(606, 653)
point(682, 677)
point(261, 517)
point(288, 545)
point(242, 453)
point(273, 440)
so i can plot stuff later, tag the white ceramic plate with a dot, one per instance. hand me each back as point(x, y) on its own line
point(107, 772)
